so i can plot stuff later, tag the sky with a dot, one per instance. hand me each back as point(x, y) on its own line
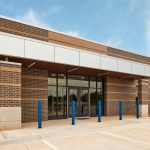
point(123, 24)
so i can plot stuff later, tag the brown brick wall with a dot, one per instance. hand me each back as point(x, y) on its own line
point(23, 30)
point(10, 85)
point(127, 55)
point(116, 90)
point(66, 40)
point(34, 88)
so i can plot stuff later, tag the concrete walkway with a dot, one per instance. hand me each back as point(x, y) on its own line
point(88, 134)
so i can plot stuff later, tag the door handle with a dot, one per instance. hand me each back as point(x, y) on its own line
point(79, 103)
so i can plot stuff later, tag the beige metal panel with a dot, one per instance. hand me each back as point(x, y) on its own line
point(124, 66)
point(10, 45)
point(39, 50)
point(89, 60)
point(138, 68)
point(147, 70)
point(66, 55)
point(10, 114)
point(109, 63)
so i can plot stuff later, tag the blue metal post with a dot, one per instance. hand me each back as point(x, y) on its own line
point(73, 112)
point(137, 109)
point(39, 114)
point(99, 111)
point(120, 110)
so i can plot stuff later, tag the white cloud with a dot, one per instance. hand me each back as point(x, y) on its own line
point(33, 17)
point(30, 17)
point(36, 18)
point(114, 42)
point(73, 33)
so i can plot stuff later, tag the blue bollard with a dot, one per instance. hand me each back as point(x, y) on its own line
point(39, 114)
point(137, 110)
point(99, 111)
point(120, 110)
point(73, 112)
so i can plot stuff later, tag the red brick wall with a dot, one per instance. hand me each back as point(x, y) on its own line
point(116, 90)
point(10, 85)
point(34, 88)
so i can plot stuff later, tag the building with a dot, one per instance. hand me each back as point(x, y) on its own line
point(40, 64)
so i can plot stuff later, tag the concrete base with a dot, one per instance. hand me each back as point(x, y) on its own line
point(10, 118)
point(144, 110)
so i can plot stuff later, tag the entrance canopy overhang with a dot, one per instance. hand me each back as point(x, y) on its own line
point(69, 69)
point(64, 58)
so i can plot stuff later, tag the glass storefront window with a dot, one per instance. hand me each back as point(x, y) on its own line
point(61, 80)
point(99, 84)
point(80, 88)
point(52, 79)
point(99, 94)
point(92, 82)
point(93, 102)
point(62, 101)
point(79, 81)
point(52, 101)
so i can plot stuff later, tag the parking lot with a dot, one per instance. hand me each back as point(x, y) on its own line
point(87, 134)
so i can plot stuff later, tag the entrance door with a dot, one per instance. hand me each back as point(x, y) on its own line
point(80, 96)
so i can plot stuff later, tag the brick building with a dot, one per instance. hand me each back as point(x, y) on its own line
point(40, 64)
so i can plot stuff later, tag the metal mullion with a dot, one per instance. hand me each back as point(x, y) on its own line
point(96, 92)
point(57, 95)
point(67, 100)
point(89, 96)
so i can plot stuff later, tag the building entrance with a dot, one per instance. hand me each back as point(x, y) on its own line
point(84, 90)
point(81, 98)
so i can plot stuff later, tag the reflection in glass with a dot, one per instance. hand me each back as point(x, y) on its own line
point(52, 102)
point(93, 102)
point(93, 82)
point(84, 108)
point(51, 79)
point(79, 81)
point(61, 80)
point(99, 84)
point(72, 96)
point(62, 101)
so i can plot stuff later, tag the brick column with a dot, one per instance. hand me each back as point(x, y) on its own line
point(143, 94)
point(34, 88)
point(10, 95)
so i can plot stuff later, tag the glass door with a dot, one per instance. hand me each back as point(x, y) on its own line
point(73, 95)
point(81, 98)
point(84, 103)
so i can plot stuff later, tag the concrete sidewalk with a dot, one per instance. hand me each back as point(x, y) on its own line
point(61, 135)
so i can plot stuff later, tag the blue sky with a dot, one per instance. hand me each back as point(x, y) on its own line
point(120, 23)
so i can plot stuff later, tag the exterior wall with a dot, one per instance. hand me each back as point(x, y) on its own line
point(34, 88)
point(22, 29)
point(127, 55)
point(10, 95)
point(119, 90)
point(74, 42)
point(143, 94)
